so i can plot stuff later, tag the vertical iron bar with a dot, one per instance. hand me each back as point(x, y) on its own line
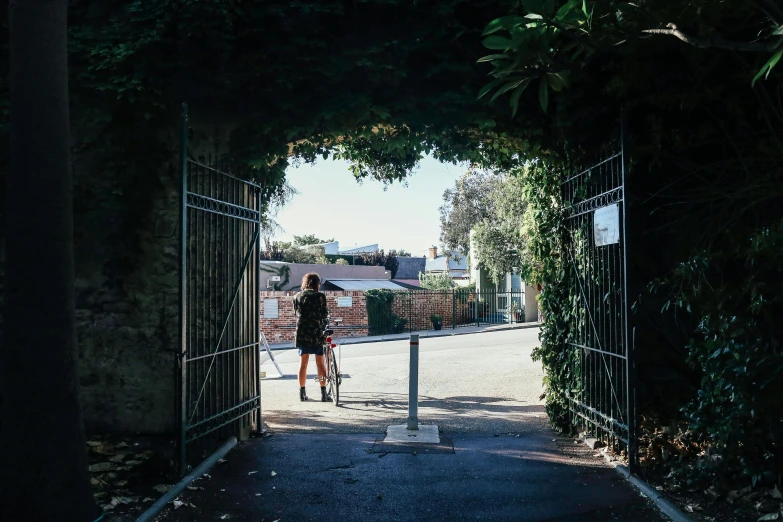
point(453, 311)
point(183, 289)
point(257, 314)
point(629, 361)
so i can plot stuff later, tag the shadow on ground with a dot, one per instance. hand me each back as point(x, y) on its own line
point(307, 477)
point(373, 412)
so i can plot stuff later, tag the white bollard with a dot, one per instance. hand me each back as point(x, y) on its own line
point(413, 385)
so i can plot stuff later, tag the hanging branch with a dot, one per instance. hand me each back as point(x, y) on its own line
point(717, 43)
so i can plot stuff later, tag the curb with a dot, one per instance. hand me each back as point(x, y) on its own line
point(179, 487)
point(449, 334)
point(662, 503)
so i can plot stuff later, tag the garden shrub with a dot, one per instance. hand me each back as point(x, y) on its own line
point(734, 297)
point(379, 311)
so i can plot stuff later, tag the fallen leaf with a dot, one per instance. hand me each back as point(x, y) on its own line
point(273, 474)
point(689, 508)
point(162, 488)
point(775, 492)
point(121, 483)
point(712, 493)
point(93, 443)
point(771, 516)
point(117, 458)
point(124, 445)
point(207, 475)
point(133, 463)
point(252, 472)
point(102, 466)
point(221, 461)
point(225, 517)
point(258, 494)
point(178, 504)
point(194, 488)
point(148, 499)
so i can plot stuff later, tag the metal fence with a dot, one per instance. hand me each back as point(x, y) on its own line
point(218, 362)
point(601, 396)
point(413, 310)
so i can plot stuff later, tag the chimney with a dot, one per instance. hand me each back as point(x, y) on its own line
point(433, 253)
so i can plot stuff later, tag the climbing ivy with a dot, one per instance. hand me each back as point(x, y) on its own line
point(284, 271)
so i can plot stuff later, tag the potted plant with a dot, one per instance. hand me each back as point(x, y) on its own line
point(398, 324)
point(516, 312)
point(437, 321)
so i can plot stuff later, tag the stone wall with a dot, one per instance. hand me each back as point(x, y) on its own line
point(126, 234)
point(283, 328)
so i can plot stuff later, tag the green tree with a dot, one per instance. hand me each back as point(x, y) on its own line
point(500, 240)
point(310, 239)
point(466, 205)
point(39, 384)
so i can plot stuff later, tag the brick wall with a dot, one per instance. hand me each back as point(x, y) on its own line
point(283, 328)
point(418, 305)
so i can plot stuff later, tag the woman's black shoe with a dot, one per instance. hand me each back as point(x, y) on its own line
point(302, 395)
point(324, 396)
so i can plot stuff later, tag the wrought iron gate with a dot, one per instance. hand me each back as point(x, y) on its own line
point(218, 364)
point(601, 399)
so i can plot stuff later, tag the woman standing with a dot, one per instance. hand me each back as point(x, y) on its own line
point(311, 313)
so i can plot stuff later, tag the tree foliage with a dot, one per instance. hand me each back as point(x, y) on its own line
point(440, 281)
point(134, 61)
point(500, 241)
point(465, 205)
point(310, 239)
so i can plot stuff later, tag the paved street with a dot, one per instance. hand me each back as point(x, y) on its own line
point(479, 383)
point(497, 459)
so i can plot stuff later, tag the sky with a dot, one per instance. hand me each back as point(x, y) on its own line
point(331, 204)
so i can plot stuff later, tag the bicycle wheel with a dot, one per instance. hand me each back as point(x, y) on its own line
point(328, 355)
point(335, 378)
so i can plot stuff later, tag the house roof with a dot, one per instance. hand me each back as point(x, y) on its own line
point(439, 263)
point(360, 249)
point(409, 267)
point(408, 283)
point(362, 284)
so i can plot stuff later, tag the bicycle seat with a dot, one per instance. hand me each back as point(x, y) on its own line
point(328, 331)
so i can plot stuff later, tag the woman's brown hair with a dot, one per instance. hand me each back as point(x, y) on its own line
point(311, 281)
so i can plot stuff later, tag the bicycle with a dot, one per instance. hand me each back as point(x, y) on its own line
point(333, 376)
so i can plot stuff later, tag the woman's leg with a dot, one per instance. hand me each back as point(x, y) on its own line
point(303, 360)
point(319, 362)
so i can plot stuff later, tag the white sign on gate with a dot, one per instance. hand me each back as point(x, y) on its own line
point(270, 309)
point(345, 302)
point(606, 225)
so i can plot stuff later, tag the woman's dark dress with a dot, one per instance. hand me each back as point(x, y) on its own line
point(311, 314)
